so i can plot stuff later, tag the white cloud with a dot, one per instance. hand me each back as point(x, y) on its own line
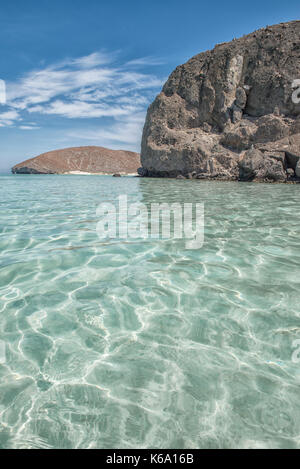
point(42, 86)
point(8, 118)
point(124, 131)
point(28, 127)
point(92, 60)
point(94, 80)
point(81, 109)
point(145, 61)
point(93, 87)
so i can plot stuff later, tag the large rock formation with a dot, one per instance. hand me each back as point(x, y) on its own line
point(230, 113)
point(81, 160)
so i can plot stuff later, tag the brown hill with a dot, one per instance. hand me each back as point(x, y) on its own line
point(83, 159)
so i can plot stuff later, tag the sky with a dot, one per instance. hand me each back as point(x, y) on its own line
point(82, 73)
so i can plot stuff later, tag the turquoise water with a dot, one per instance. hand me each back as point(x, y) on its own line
point(142, 343)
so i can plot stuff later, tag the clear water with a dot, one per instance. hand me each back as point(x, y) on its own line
point(144, 344)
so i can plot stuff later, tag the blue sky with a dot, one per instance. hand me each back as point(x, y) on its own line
point(84, 72)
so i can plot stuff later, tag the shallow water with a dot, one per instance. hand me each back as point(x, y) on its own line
point(143, 343)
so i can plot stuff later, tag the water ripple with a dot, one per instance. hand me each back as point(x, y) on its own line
point(141, 343)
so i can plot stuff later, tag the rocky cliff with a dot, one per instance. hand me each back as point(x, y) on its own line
point(230, 113)
point(81, 159)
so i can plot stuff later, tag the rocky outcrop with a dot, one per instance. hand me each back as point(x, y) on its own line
point(81, 160)
point(230, 113)
point(254, 165)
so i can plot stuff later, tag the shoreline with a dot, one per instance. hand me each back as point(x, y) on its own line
point(84, 173)
point(71, 173)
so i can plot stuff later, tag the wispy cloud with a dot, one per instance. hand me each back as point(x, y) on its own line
point(148, 61)
point(90, 87)
point(124, 131)
point(80, 109)
point(92, 60)
point(8, 118)
point(29, 127)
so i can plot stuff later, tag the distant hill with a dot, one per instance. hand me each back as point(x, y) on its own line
point(81, 159)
